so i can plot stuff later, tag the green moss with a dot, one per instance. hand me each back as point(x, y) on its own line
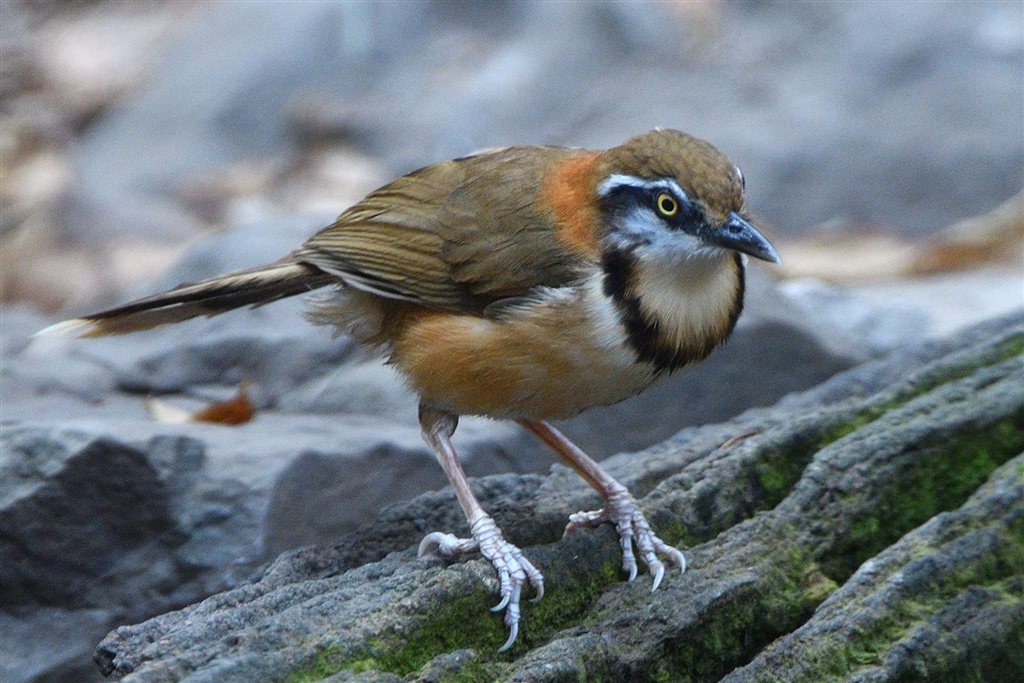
point(449, 627)
point(778, 472)
point(565, 606)
point(827, 660)
point(1007, 561)
point(464, 622)
point(736, 630)
point(872, 643)
point(473, 671)
point(929, 486)
point(1009, 348)
point(1012, 346)
point(1001, 351)
point(861, 419)
point(328, 662)
point(671, 528)
point(817, 586)
point(775, 473)
point(730, 635)
point(365, 664)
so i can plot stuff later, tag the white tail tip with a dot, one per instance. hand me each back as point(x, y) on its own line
point(78, 327)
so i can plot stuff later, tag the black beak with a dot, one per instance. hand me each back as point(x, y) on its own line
point(739, 235)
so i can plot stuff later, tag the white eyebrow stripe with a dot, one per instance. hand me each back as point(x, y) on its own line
point(616, 180)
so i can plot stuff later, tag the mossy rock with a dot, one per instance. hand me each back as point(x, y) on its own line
point(871, 529)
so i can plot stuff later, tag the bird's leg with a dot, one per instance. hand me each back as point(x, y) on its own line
point(621, 508)
point(513, 568)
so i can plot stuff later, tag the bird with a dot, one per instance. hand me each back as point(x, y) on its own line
point(525, 283)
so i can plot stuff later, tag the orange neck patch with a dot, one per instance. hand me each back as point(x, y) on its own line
point(568, 192)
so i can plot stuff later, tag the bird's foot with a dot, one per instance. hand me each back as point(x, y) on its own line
point(513, 569)
point(622, 510)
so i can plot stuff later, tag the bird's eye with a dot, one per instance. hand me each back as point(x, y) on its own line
point(667, 205)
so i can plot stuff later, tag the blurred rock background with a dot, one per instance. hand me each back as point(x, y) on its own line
point(147, 143)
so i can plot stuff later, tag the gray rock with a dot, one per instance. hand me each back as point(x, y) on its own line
point(942, 603)
point(63, 526)
point(107, 516)
point(866, 79)
point(834, 312)
point(217, 96)
point(93, 531)
point(812, 507)
point(361, 388)
point(323, 496)
point(52, 644)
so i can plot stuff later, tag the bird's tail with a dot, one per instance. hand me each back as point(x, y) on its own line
point(251, 287)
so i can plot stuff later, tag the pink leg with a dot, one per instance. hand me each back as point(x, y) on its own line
point(513, 568)
point(621, 508)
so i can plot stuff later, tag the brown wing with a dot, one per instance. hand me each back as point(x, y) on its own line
point(458, 235)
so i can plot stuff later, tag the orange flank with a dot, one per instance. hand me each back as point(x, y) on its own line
point(475, 366)
point(568, 193)
point(536, 363)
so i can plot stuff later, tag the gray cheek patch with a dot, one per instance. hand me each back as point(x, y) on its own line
point(641, 226)
point(641, 229)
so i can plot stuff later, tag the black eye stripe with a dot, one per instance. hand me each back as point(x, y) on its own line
point(623, 199)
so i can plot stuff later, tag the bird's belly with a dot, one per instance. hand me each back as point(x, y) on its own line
point(549, 359)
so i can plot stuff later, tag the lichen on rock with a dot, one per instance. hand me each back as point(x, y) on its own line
point(868, 529)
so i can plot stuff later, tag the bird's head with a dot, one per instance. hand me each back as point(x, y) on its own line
point(676, 195)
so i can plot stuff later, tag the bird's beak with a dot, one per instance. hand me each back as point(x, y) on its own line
point(739, 235)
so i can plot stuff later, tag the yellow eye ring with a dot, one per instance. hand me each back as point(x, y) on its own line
point(667, 205)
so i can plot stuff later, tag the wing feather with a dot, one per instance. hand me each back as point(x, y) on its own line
point(459, 235)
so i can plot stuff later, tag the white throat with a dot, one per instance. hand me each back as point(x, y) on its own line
point(689, 293)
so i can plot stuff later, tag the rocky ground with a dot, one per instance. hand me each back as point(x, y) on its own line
point(869, 529)
point(145, 144)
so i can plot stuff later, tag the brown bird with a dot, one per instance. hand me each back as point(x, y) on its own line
point(527, 283)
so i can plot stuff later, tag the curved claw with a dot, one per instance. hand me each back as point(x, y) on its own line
point(674, 553)
point(513, 632)
point(681, 559)
point(430, 543)
point(538, 586)
point(659, 574)
point(531, 573)
point(512, 616)
point(623, 511)
point(512, 567)
point(512, 613)
point(445, 544)
point(504, 601)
